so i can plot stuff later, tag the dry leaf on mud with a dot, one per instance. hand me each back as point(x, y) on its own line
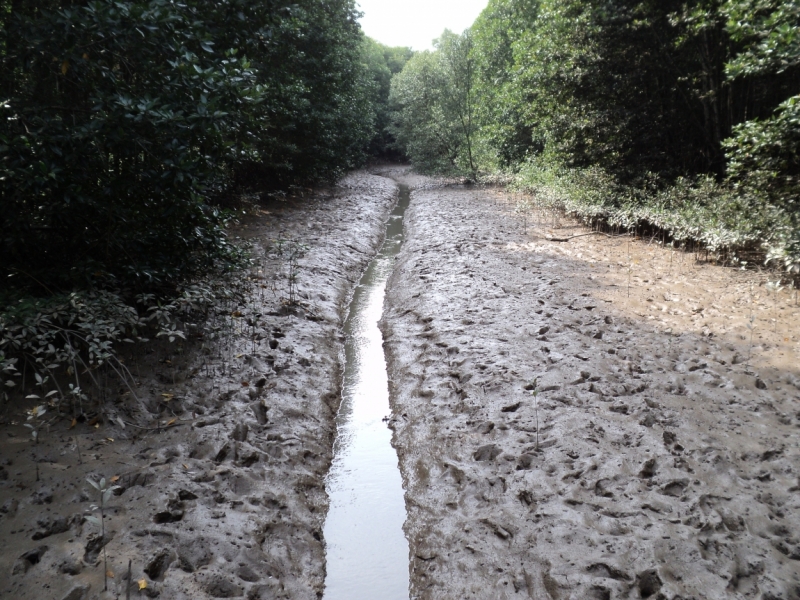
point(168, 396)
point(110, 573)
point(171, 422)
point(74, 422)
point(115, 478)
point(142, 584)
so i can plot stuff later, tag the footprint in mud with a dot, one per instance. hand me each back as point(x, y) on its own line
point(636, 401)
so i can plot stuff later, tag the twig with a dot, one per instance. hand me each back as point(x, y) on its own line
point(34, 278)
point(158, 429)
point(128, 587)
point(78, 448)
point(567, 239)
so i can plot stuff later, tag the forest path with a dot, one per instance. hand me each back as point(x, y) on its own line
point(663, 462)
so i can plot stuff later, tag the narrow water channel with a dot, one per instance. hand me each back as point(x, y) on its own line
point(366, 550)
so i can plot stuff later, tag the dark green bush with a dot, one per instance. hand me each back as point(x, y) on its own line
point(123, 123)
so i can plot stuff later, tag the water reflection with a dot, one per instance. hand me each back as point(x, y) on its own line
point(367, 553)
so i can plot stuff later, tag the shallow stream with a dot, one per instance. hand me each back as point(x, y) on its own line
point(366, 550)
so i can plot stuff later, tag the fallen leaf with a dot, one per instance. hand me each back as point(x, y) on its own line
point(64, 67)
point(171, 422)
point(185, 466)
point(110, 439)
point(94, 421)
point(245, 383)
point(168, 396)
point(74, 422)
point(236, 313)
point(97, 425)
point(115, 478)
point(110, 573)
point(142, 584)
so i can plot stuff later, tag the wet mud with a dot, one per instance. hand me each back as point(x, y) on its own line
point(221, 465)
point(655, 456)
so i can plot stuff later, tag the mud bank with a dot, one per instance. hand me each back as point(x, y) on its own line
point(222, 476)
point(665, 460)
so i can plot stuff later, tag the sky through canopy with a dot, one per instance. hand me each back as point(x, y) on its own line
point(416, 23)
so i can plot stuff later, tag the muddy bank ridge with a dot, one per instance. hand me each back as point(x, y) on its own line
point(221, 477)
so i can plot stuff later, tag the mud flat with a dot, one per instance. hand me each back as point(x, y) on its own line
point(667, 458)
point(221, 467)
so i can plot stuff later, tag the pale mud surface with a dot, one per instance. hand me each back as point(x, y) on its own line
point(222, 470)
point(667, 467)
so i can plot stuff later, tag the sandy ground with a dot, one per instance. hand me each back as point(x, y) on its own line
point(660, 456)
point(222, 475)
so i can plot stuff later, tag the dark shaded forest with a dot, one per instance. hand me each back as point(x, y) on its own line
point(128, 125)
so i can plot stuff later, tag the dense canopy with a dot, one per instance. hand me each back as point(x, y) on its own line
point(126, 124)
point(675, 114)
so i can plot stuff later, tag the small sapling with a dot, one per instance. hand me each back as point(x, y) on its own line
point(523, 207)
point(35, 415)
point(105, 492)
point(750, 325)
point(296, 252)
point(533, 388)
point(774, 288)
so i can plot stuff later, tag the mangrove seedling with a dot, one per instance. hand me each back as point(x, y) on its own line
point(533, 388)
point(750, 325)
point(105, 492)
point(77, 398)
point(35, 415)
point(296, 252)
point(523, 207)
point(774, 288)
